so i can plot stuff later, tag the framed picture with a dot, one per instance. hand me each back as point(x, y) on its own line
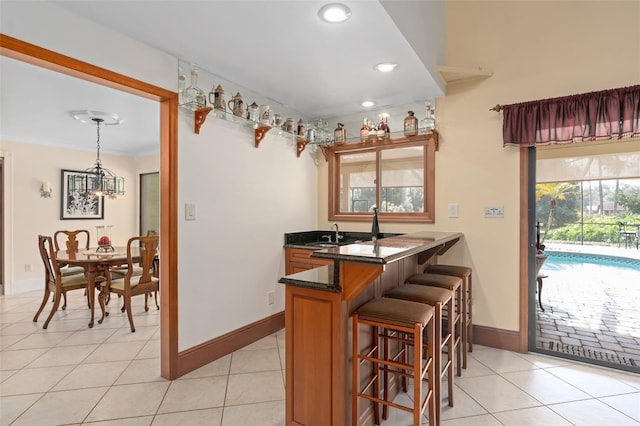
point(77, 204)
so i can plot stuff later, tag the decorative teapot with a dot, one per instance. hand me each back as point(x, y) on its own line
point(236, 105)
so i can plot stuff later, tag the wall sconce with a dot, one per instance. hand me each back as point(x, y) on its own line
point(45, 189)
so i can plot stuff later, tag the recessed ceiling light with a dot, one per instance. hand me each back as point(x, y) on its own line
point(368, 104)
point(386, 67)
point(334, 13)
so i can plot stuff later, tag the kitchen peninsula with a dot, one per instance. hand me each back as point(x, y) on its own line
point(318, 305)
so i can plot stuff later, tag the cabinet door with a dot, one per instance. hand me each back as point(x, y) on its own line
point(295, 267)
point(298, 260)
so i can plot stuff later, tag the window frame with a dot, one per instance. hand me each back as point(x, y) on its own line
point(430, 144)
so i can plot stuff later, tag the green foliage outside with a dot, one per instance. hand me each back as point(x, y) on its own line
point(629, 197)
point(597, 229)
point(595, 220)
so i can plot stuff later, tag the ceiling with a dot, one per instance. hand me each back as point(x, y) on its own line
point(279, 49)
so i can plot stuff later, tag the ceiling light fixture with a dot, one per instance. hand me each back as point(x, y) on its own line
point(87, 116)
point(386, 67)
point(368, 104)
point(334, 13)
point(97, 181)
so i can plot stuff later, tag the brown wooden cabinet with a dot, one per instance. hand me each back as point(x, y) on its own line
point(298, 260)
point(318, 306)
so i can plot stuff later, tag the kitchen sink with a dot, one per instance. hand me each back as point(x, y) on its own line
point(321, 244)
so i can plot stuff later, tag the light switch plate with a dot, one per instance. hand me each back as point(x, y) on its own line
point(452, 208)
point(189, 211)
point(494, 211)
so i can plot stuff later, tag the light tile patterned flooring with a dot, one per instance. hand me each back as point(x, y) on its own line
point(69, 375)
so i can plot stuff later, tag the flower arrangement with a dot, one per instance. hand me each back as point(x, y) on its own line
point(104, 238)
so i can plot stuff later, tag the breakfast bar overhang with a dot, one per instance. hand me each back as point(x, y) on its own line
point(318, 305)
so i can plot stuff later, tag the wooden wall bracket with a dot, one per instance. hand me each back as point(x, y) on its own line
point(259, 133)
point(324, 152)
point(301, 144)
point(199, 117)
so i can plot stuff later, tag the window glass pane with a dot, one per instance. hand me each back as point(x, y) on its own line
point(357, 182)
point(149, 202)
point(402, 180)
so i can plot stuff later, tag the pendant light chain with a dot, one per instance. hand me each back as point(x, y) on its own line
point(98, 162)
point(97, 181)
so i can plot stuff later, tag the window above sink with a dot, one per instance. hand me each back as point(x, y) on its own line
point(395, 175)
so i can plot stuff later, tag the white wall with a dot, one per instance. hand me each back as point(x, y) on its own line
point(246, 198)
point(34, 215)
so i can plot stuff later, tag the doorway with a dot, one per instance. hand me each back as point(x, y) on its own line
point(588, 273)
point(17, 49)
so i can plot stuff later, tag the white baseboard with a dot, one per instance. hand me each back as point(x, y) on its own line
point(24, 286)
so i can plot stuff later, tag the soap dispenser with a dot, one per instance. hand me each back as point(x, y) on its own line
point(375, 228)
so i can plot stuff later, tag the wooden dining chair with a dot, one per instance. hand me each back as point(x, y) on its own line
point(54, 282)
point(71, 243)
point(130, 284)
point(119, 272)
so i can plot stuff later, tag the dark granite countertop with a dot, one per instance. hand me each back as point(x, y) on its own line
point(390, 249)
point(320, 278)
point(385, 250)
point(314, 239)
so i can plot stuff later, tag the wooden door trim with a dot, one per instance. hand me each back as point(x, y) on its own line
point(35, 55)
point(524, 251)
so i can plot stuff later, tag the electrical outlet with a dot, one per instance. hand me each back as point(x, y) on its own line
point(27, 267)
point(272, 297)
point(494, 211)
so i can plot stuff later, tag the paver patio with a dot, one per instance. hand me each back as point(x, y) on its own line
point(591, 314)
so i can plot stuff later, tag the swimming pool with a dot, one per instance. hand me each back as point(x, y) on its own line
point(562, 261)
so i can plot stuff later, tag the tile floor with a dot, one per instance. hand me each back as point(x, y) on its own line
point(71, 375)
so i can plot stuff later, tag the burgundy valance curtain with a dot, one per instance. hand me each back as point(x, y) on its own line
point(592, 116)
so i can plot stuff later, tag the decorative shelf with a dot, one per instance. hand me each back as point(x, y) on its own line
point(204, 111)
point(456, 74)
point(200, 115)
point(395, 137)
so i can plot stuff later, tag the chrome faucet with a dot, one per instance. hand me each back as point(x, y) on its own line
point(338, 236)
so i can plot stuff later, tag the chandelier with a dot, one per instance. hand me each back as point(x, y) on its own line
point(96, 180)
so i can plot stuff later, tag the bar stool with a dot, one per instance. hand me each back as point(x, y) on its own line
point(436, 297)
point(464, 273)
point(390, 319)
point(455, 285)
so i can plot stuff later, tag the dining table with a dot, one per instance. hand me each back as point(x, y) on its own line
point(93, 261)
